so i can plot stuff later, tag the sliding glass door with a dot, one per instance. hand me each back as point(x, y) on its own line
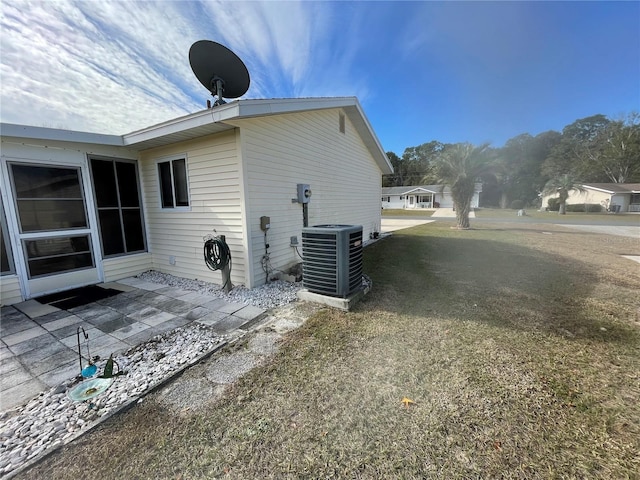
point(54, 227)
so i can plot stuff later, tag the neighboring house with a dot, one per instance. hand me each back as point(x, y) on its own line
point(621, 197)
point(82, 208)
point(423, 196)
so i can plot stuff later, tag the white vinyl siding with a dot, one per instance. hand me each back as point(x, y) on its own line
point(281, 151)
point(176, 235)
point(10, 290)
point(126, 266)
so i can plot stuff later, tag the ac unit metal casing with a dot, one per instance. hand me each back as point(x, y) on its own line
point(332, 262)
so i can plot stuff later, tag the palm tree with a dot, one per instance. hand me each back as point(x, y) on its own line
point(562, 185)
point(459, 166)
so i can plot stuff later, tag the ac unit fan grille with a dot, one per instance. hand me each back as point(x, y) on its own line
point(332, 259)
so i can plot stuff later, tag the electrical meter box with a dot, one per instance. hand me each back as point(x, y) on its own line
point(304, 193)
point(265, 223)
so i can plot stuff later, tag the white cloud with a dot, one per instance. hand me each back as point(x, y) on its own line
point(113, 67)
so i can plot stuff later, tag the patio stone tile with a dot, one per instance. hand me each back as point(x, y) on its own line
point(154, 299)
point(62, 322)
point(125, 332)
point(197, 313)
point(57, 360)
point(33, 308)
point(149, 286)
point(113, 301)
point(171, 324)
point(117, 286)
point(230, 307)
point(131, 281)
point(173, 292)
point(115, 346)
point(212, 318)
point(115, 324)
point(51, 317)
point(5, 352)
point(134, 294)
point(9, 312)
point(228, 324)
point(92, 311)
point(39, 342)
point(72, 340)
point(15, 324)
point(15, 338)
point(33, 357)
point(141, 337)
point(14, 377)
point(21, 394)
point(175, 306)
point(215, 304)
point(196, 298)
point(62, 373)
point(250, 312)
point(9, 365)
point(146, 312)
point(68, 330)
point(110, 316)
point(132, 306)
point(158, 318)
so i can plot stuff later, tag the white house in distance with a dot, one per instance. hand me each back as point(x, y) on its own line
point(615, 197)
point(81, 208)
point(423, 196)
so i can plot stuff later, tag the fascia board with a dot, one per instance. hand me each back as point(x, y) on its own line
point(54, 134)
point(589, 187)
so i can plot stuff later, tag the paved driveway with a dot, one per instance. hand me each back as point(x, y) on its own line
point(393, 224)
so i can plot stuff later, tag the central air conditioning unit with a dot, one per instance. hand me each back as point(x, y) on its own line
point(332, 262)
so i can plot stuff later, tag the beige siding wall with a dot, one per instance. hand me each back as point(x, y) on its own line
point(10, 290)
point(575, 197)
point(281, 151)
point(126, 266)
point(215, 203)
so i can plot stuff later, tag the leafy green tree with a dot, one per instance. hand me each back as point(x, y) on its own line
point(460, 166)
point(579, 142)
point(415, 165)
point(618, 150)
point(562, 185)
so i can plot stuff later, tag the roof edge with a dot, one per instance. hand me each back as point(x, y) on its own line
point(56, 134)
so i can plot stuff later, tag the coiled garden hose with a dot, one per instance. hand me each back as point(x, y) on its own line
point(217, 255)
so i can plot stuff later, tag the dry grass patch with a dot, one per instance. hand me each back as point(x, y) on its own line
point(520, 350)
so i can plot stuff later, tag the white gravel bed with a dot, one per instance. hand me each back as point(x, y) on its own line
point(269, 295)
point(52, 418)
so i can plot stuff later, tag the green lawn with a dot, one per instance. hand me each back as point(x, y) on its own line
point(519, 346)
point(414, 212)
point(570, 217)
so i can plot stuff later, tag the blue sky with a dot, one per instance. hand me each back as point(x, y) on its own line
point(454, 72)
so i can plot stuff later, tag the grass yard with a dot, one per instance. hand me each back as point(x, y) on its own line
point(518, 343)
point(569, 217)
point(412, 212)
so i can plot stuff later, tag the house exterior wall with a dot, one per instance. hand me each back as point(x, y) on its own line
point(117, 268)
point(588, 196)
point(13, 288)
point(443, 198)
point(10, 290)
point(394, 202)
point(282, 151)
point(175, 236)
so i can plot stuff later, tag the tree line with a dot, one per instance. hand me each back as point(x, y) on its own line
point(595, 149)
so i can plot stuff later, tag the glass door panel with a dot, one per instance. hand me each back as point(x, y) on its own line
point(55, 233)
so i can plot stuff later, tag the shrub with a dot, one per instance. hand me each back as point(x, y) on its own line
point(517, 205)
point(584, 207)
point(553, 204)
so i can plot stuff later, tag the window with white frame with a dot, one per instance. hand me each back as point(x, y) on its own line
point(386, 199)
point(174, 191)
point(118, 205)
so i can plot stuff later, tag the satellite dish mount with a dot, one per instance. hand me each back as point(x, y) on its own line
point(219, 70)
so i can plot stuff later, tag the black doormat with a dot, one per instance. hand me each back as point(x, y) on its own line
point(77, 297)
